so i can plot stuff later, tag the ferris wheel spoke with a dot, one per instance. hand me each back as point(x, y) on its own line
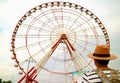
point(42, 23)
point(87, 37)
point(56, 16)
point(68, 20)
point(33, 55)
point(23, 62)
point(55, 62)
point(83, 42)
point(20, 48)
point(83, 61)
point(31, 27)
point(49, 20)
point(28, 36)
point(41, 50)
point(85, 22)
point(87, 29)
point(74, 22)
point(62, 22)
point(43, 40)
point(69, 66)
point(70, 49)
point(84, 48)
point(91, 36)
point(80, 44)
point(28, 46)
point(43, 61)
point(56, 31)
point(80, 41)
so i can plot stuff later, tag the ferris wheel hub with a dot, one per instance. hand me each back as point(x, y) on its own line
point(63, 36)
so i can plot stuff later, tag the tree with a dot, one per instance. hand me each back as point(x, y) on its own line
point(9, 81)
point(0, 80)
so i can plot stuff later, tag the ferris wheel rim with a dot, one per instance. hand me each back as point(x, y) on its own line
point(57, 4)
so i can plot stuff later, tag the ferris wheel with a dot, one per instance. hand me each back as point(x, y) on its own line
point(52, 40)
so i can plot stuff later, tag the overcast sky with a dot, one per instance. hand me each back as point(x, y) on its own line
point(108, 11)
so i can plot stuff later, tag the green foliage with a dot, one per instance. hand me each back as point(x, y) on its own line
point(9, 81)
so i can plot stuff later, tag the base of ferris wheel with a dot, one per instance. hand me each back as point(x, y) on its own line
point(31, 75)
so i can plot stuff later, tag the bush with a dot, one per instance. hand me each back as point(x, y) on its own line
point(9, 81)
